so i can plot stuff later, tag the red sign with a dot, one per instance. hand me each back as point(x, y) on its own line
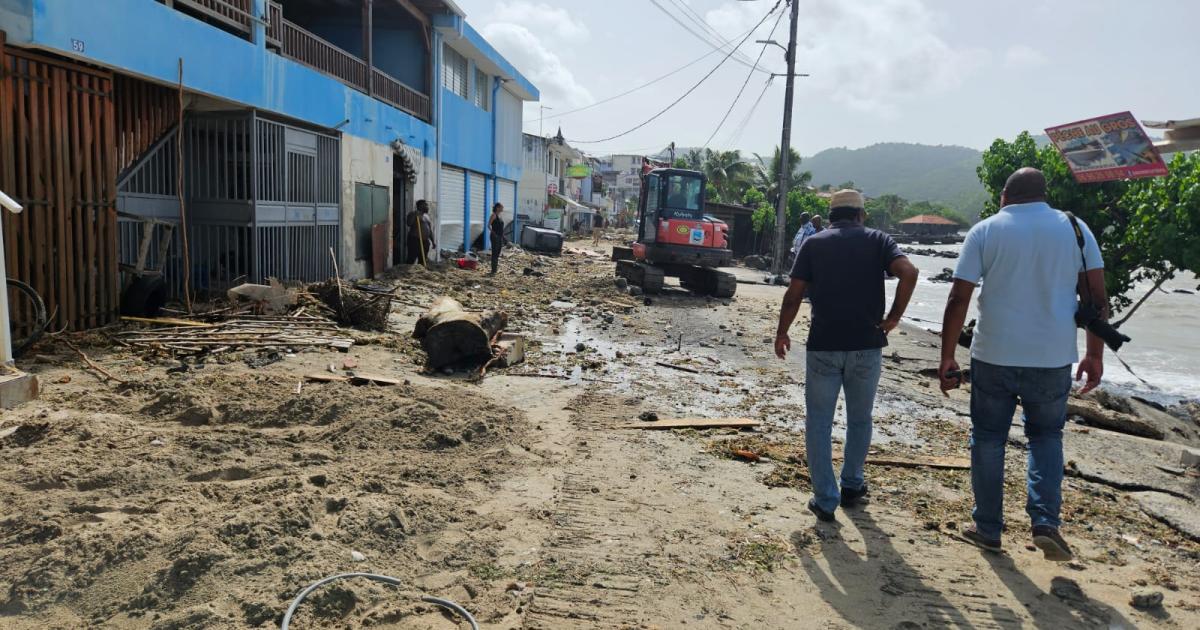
point(1107, 148)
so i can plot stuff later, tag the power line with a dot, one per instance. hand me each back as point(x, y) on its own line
point(644, 85)
point(691, 89)
point(689, 29)
point(695, 18)
point(750, 74)
point(737, 133)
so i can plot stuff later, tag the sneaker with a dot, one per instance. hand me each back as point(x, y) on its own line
point(972, 535)
point(852, 498)
point(822, 515)
point(1053, 547)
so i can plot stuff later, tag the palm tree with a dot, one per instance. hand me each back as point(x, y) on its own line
point(693, 160)
point(728, 174)
point(766, 176)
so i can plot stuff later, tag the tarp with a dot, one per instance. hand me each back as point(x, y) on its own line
point(1107, 148)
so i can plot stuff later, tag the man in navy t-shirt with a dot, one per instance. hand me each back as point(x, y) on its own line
point(842, 268)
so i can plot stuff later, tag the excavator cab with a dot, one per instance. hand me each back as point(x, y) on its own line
point(676, 238)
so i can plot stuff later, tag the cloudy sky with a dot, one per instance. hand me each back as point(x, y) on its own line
point(932, 71)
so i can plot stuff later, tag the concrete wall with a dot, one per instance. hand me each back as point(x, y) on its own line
point(466, 134)
point(367, 162)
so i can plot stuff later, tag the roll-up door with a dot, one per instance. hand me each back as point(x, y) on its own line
point(478, 204)
point(452, 194)
point(506, 193)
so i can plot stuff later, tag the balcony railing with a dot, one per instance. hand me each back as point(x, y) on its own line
point(307, 48)
point(238, 15)
point(388, 89)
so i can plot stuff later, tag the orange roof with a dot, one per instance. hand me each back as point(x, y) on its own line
point(927, 219)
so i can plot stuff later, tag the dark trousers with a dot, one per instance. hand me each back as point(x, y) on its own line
point(497, 245)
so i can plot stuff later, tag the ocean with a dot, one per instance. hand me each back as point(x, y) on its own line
point(1165, 350)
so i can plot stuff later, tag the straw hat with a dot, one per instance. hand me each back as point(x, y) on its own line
point(847, 198)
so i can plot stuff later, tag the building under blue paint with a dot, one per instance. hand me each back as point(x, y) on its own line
point(308, 125)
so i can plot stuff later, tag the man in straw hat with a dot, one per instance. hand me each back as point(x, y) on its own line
point(843, 269)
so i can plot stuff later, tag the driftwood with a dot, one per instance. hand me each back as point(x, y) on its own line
point(1098, 416)
point(452, 336)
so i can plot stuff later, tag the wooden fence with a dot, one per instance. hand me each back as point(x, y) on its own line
point(58, 159)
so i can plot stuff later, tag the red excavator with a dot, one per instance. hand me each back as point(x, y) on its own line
point(675, 238)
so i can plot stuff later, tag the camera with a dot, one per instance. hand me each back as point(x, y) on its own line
point(1088, 317)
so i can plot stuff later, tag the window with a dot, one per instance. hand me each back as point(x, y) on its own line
point(482, 90)
point(683, 200)
point(454, 71)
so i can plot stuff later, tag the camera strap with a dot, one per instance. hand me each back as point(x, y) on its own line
point(1082, 253)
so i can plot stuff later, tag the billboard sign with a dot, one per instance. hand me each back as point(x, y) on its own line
point(579, 171)
point(1107, 148)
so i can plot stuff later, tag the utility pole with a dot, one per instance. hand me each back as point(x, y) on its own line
point(785, 149)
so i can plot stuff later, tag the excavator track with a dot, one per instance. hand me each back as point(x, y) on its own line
point(709, 282)
point(648, 277)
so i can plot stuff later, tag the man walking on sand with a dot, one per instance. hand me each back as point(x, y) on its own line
point(842, 267)
point(1029, 260)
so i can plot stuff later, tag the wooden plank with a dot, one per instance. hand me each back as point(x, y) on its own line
point(38, 177)
point(943, 463)
point(694, 423)
point(167, 321)
point(80, 176)
point(681, 368)
point(359, 378)
point(66, 264)
point(107, 152)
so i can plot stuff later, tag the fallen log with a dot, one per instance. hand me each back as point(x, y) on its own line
point(1098, 416)
point(453, 336)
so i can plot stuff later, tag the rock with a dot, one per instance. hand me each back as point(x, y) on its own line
point(318, 480)
point(635, 290)
point(1146, 598)
point(1095, 415)
point(648, 416)
point(947, 275)
point(579, 347)
point(357, 556)
point(1176, 513)
point(647, 301)
point(622, 283)
point(156, 442)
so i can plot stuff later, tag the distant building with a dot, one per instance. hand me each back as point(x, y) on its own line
point(534, 188)
point(928, 225)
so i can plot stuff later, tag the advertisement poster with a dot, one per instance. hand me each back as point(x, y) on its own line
point(1107, 148)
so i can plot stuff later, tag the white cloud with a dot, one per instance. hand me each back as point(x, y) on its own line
point(538, 63)
point(1022, 56)
point(869, 56)
point(528, 35)
point(541, 18)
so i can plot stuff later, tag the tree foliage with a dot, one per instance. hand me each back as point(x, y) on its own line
point(1146, 228)
point(727, 173)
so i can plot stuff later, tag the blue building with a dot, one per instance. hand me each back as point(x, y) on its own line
point(308, 126)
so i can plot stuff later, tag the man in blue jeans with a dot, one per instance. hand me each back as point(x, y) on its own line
point(843, 269)
point(1031, 265)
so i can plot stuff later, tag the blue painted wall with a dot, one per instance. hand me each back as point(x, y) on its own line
point(146, 38)
point(400, 52)
point(466, 134)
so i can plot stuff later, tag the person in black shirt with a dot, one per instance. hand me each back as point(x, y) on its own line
point(496, 229)
point(842, 268)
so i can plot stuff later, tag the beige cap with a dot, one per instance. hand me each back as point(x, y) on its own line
point(847, 198)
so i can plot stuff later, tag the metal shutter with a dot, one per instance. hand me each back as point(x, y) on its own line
point(454, 71)
point(507, 194)
point(478, 204)
point(452, 194)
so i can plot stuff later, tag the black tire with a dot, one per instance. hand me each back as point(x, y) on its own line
point(145, 297)
point(41, 319)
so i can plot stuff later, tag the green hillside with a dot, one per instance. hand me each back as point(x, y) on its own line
point(916, 172)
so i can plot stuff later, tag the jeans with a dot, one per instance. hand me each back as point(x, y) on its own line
point(828, 373)
point(995, 391)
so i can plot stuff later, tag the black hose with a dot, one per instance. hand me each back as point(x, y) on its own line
point(41, 320)
point(444, 603)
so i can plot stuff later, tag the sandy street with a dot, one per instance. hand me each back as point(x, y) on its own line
point(207, 496)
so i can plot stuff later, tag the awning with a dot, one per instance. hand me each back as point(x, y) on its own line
point(572, 204)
